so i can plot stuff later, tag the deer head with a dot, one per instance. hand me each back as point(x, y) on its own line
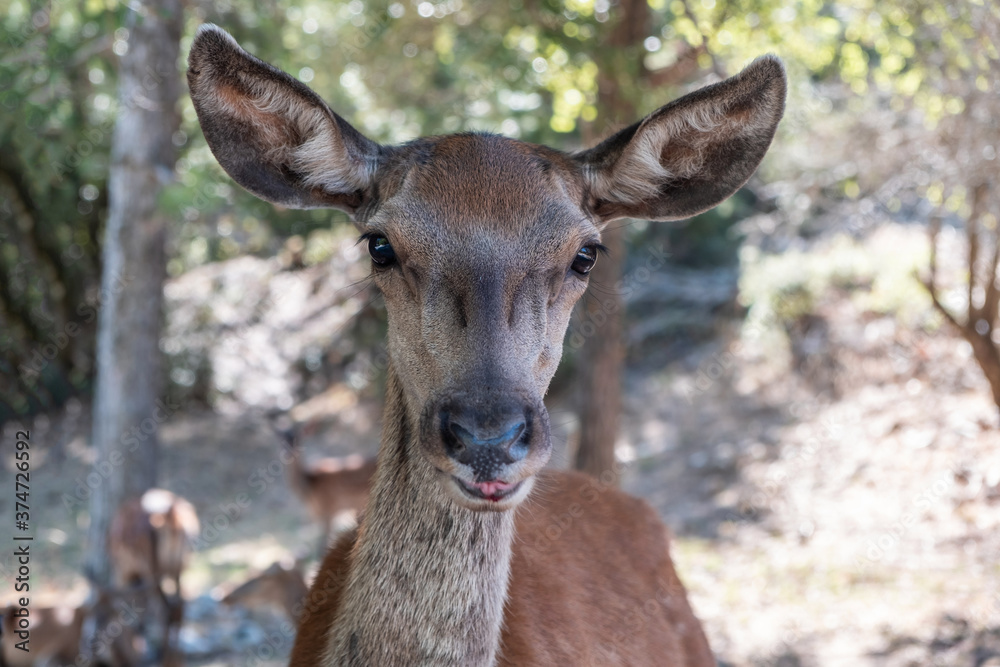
point(480, 244)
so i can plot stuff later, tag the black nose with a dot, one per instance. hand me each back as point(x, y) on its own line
point(486, 438)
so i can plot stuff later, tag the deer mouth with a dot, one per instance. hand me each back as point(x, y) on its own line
point(493, 491)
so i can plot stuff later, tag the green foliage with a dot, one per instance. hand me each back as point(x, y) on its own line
point(55, 130)
point(879, 275)
point(398, 70)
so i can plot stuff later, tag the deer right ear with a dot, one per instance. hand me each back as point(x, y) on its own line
point(691, 154)
point(273, 134)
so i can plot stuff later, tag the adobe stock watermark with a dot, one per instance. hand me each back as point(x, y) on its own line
point(596, 318)
point(40, 20)
point(577, 511)
point(102, 646)
point(94, 138)
point(987, 614)
point(782, 649)
point(662, 603)
point(373, 27)
point(128, 442)
point(720, 365)
point(273, 647)
point(877, 549)
point(262, 478)
point(831, 429)
point(57, 342)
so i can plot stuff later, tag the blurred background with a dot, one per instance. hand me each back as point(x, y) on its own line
point(804, 381)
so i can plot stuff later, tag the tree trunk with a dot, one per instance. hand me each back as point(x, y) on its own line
point(127, 411)
point(603, 353)
point(601, 358)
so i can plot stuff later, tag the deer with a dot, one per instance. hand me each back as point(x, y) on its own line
point(149, 543)
point(54, 636)
point(55, 632)
point(331, 487)
point(281, 585)
point(471, 552)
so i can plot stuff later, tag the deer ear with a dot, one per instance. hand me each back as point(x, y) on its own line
point(273, 134)
point(691, 154)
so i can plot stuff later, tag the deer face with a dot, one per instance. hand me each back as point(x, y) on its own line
point(481, 247)
point(480, 244)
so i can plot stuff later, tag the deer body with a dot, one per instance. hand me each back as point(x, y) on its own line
point(149, 543)
point(150, 539)
point(330, 487)
point(481, 245)
point(453, 580)
point(55, 636)
point(633, 610)
point(279, 585)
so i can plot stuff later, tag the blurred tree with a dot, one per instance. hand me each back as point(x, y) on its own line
point(958, 89)
point(601, 357)
point(127, 412)
point(396, 69)
point(922, 84)
point(533, 70)
point(53, 155)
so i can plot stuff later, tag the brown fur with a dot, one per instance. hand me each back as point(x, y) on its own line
point(149, 538)
point(633, 610)
point(330, 487)
point(485, 232)
point(55, 636)
point(278, 586)
point(149, 542)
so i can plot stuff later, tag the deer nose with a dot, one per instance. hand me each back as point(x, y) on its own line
point(485, 439)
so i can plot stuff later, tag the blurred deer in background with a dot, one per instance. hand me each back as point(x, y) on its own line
point(332, 488)
point(150, 543)
point(54, 639)
point(481, 246)
point(56, 632)
point(280, 585)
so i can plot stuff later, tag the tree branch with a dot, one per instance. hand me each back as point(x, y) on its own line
point(930, 283)
point(685, 66)
point(972, 232)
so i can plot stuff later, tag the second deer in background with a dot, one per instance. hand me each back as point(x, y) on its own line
point(54, 640)
point(331, 488)
point(150, 542)
point(280, 585)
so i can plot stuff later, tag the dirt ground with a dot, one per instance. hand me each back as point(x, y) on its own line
point(842, 513)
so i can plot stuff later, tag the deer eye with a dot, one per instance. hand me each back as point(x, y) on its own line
point(380, 250)
point(585, 259)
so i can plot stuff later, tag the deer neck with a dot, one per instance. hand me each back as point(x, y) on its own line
point(427, 579)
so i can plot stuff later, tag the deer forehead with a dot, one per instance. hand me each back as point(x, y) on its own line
point(481, 198)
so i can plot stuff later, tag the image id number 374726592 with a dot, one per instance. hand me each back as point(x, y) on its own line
point(22, 538)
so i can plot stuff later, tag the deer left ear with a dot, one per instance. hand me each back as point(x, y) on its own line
point(691, 154)
point(274, 135)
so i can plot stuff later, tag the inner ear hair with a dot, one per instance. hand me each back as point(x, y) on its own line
point(271, 133)
point(691, 154)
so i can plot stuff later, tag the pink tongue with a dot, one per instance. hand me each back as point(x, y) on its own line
point(491, 488)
